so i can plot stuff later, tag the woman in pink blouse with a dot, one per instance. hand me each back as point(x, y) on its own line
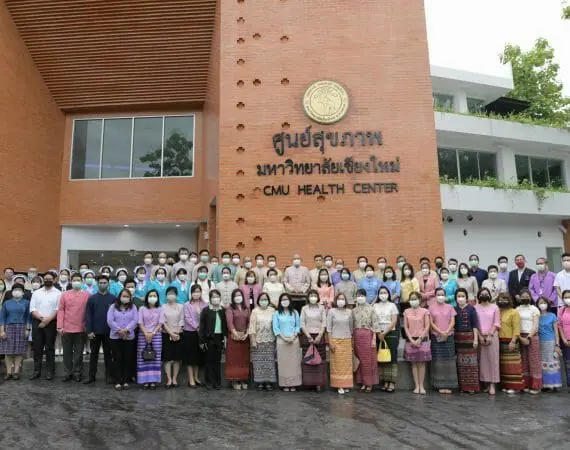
point(192, 355)
point(564, 327)
point(489, 324)
point(325, 289)
point(428, 284)
point(237, 351)
point(250, 290)
point(417, 350)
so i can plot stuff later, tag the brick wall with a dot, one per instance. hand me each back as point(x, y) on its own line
point(31, 133)
point(566, 224)
point(269, 52)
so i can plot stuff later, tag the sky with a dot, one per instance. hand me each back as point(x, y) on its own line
point(470, 35)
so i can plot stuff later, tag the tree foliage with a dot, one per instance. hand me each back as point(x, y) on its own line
point(177, 159)
point(566, 10)
point(535, 75)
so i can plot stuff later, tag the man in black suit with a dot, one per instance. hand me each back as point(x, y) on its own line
point(519, 278)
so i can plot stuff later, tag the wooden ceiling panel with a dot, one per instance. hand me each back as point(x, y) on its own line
point(116, 53)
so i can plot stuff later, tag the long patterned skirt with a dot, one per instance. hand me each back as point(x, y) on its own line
point(263, 361)
point(566, 353)
point(314, 375)
point(149, 371)
point(341, 363)
point(237, 360)
point(388, 372)
point(289, 363)
point(511, 366)
point(15, 342)
point(443, 369)
point(551, 376)
point(532, 367)
point(367, 372)
point(467, 362)
point(489, 362)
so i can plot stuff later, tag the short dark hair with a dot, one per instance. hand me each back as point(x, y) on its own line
point(146, 303)
point(381, 257)
point(183, 249)
point(16, 286)
point(170, 289)
point(500, 258)
point(12, 269)
point(439, 257)
point(259, 255)
point(50, 273)
point(226, 254)
point(461, 291)
point(492, 267)
point(369, 266)
point(272, 257)
point(130, 281)
point(474, 255)
point(328, 256)
point(76, 275)
point(84, 264)
point(200, 269)
point(362, 257)
point(361, 292)
point(160, 269)
point(452, 260)
point(236, 254)
point(183, 271)
point(270, 271)
point(566, 291)
point(226, 269)
point(318, 255)
point(424, 258)
point(564, 255)
point(118, 303)
point(148, 253)
point(520, 255)
point(205, 250)
point(319, 282)
point(343, 270)
point(442, 289)
point(314, 292)
point(102, 277)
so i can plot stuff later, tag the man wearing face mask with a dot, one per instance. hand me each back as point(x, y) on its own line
point(241, 272)
point(329, 263)
point(70, 315)
point(185, 260)
point(475, 271)
point(170, 273)
point(225, 262)
point(381, 264)
point(319, 264)
point(542, 284)
point(8, 275)
point(495, 285)
point(260, 269)
point(452, 265)
point(148, 265)
point(297, 281)
point(63, 281)
point(98, 330)
point(236, 261)
point(43, 308)
point(335, 275)
point(32, 273)
point(438, 264)
point(562, 279)
point(359, 273)
point(503, 265)
point(272, 264)
point(519, 278)
point(204, 262)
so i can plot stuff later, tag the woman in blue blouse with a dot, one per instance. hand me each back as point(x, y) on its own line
point(370, 284)
point(118, 285)
point(390, 281)
point(142, 286)
point(286, 327)
point(450, 286)
point(14, 331)
point(160, 285)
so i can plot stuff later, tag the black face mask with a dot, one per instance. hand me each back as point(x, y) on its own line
point(438, 264)
point(525, 301)
point(48, 283)
point(484, 298)
point(503, 305)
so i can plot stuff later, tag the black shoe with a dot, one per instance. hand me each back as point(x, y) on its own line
point(208, 386)
point(35, 376)
point(89, 380)
point(49, 376)
point(78, 379)
point(67, 378)
point(218, 387)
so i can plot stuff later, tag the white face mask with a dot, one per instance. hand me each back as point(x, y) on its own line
point(235, 261)
point(122, 278)
point(152, 300)
point(226, 276)
point(259, 263)
point(17, 294)
point(493, 275)
point(171, 298)
point(383, 297)
point(313, 300)
point(567, 301)
point(285, 303)
point(452, 267)
point(63, 278)
point(238, 299)
point(414, 303)
point(125, 300)
point(445, 276)
point(369, 273)
point(381, 265)
point(328, 263)
point(132, 291)
point(76, 285)
point(540, 267)
point(263, 304)
point(503, 266)
point(543, 306)
point(160, 277)
point(389, 275)
point(361, 300)
point(194, 260)
point(183, 257)
point(36, 286)
point(440, 299)
point(196, 295)
point(140, 276)
point(461, 301)
point(566, 265)
point(339, 267)
point(225, 260)
point(216, 301)
point(296, 262)
point(148, 261)
point(273, 278)
point(247, 265)
point(362, 265)
point(340, 303)
point(271, 264)
point(162, 261)
point(182, 277)
point(250, 280)
point(324, 277)
point(425, 271)
point(464, 271)
point(407, 272)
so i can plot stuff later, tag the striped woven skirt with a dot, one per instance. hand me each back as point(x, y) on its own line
point(15, 342)
point(551, 376)
point(341, 363)
point(467, 362)
point(237, 360)
point(511, 366)
point(149, 371)
point(417, 354)
point(443, 369)
point(314, 375)
point(566, 353)
point(367, 372)
point(532, 366)
point(388, 372)
point(263, 361)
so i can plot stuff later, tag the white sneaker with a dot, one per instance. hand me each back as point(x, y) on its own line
point(341, 391)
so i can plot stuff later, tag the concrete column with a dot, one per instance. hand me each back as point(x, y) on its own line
point(506, 168)
point(460, 102)
point(567, 171)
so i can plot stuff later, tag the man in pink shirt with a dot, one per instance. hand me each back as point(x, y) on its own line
point(70, 317)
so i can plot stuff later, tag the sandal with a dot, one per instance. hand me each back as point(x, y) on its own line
point(285, 389)
point(153, 387)
point(369, 390)
point(390, 390)
point(260, 387)
point(118, 387)
point(145, 386)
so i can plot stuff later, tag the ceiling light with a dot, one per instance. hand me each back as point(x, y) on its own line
point(126, 226)
point(177, 226)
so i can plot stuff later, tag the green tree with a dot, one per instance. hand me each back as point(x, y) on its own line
point(566, 10)
point(177, 160)
point(535, 76)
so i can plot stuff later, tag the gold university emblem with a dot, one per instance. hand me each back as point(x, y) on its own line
point(325, 102)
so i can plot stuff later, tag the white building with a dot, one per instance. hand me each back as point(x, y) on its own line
point(494, 222)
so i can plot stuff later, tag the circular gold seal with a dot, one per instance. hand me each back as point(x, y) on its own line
point(325, 102)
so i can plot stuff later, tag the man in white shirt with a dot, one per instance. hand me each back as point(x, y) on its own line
point(562, 279)
point(43, 308)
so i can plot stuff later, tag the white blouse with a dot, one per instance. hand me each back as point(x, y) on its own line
point(527, 313)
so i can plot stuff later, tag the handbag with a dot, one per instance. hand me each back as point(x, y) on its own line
point(355, 363)
point(148, 353)
point(312, 357)
point(384, 354)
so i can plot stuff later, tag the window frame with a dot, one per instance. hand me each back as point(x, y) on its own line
point(130, 177)
point(453, 109)
point(477, 152)
point(529, 165)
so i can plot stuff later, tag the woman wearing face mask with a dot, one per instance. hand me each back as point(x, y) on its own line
point(250, 290)
point(15, 326)
point(549, 349)
point(286, 327)
point(89, 282)
point(122, 318)
point(63, 281)
point(313, 326)
point(489, 323)
point(182, 286)
point(226, 286)
point(160, 284)
point(172, 337)
point(205, 284)
point(325, 289)
point(117, 286)
point(142, 286)
point(408, 284)
point(347, 287)
point(237, 351)
point(151, 320)
point(273, 287)
point(510, 357)
point(449, 286)
point(564, 331)
point(262, 344)
point(340, 326)
point(495, 285)
point(429, 282)
point(36, 283)
point(192, 356)
point(467, 282)
point(417, 349)
point(212, 331)
point(530, 345)
point(386, 328)
point(466, 343)
point(390, 281)
point(443, 369)
point(370, 283)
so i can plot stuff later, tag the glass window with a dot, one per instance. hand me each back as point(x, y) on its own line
point(178, 146)
point(443, 101)
point(540, 171)
point(487, 165)
point(86, 153)
point(147, 147)
point(468, 166)
point(555, 173)
point(448, 163)
point(115, 162)
point(475, 105)
point(522, 166)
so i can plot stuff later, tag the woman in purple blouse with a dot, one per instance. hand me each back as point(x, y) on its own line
point(151, 320)
point(192, 355)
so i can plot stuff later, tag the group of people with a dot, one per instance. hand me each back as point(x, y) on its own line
point(477, 328)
